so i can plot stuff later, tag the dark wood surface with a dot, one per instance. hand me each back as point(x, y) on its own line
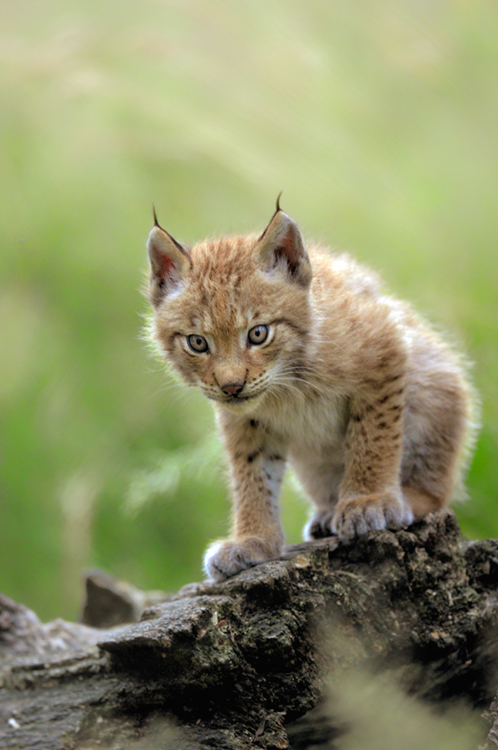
point(247, 663)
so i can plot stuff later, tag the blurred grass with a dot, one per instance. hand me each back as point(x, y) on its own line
point(378, 120)
point(375, 712)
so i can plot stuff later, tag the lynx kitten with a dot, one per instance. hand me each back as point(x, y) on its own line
point(307, 361)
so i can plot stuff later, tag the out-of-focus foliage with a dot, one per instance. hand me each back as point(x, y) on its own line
point(375, 712)
point(380, 123)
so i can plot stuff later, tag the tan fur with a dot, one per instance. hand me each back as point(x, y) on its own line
point(370, 407)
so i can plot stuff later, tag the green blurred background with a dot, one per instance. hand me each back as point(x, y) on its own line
point(380, 123)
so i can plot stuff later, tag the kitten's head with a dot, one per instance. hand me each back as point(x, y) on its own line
point(232, 315)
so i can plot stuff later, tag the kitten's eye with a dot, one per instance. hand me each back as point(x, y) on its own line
point(197, 343)
point(258, 335)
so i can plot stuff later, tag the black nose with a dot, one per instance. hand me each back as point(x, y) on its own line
point(232, 389)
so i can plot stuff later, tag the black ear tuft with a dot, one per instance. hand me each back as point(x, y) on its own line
point(156, 223)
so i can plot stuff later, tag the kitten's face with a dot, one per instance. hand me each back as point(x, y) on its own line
point(231, 316)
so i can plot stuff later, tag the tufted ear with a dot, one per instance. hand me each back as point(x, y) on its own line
point(281, 246)
point(168, 260)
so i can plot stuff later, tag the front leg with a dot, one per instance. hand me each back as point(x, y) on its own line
point(257, 463)
point(370, 496)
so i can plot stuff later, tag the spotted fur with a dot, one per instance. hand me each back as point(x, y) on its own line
point(370, 407)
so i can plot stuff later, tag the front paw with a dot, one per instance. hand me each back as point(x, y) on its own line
point(359, 515)
point(225, 559)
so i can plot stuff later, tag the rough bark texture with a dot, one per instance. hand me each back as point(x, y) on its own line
point(235, 665)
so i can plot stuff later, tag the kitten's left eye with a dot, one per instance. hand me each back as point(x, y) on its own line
point(258, 335)
point(197, 343)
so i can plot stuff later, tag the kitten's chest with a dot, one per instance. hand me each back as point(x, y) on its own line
point(314, 425)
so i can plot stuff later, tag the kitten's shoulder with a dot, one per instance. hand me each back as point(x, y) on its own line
point(340, 271)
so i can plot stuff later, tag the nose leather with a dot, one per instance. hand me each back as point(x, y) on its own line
point(232, 389)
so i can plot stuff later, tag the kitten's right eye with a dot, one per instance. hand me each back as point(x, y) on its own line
point(197, 343)
point(258, 335)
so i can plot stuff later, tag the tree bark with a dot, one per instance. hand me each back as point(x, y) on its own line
point(259, 661)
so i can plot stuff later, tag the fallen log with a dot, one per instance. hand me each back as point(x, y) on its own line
point(258, 661)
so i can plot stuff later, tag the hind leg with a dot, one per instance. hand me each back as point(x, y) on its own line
point(429, 484)
point(320, 481)
point(435, 438)
point(421, 502)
